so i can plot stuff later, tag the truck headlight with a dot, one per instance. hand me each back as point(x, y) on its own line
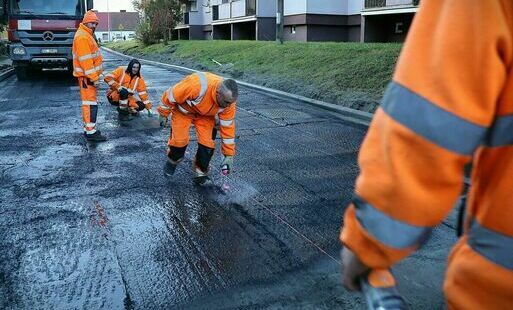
point(18, 50)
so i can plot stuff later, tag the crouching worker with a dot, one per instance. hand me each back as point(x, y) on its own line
point(197, 100)
point(128, 89)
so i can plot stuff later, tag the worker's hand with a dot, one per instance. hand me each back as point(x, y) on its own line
point(227, 164)
point(123, 92)
point(163, 121)
point(352, 270)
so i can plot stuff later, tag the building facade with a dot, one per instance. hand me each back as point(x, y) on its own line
point(116, 26)
point(304, 20)
point(387, 20)
point(322, 20)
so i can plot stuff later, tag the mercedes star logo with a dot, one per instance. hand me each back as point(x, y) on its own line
point(48, 36)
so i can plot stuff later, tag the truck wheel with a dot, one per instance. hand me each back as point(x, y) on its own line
point(21, 73)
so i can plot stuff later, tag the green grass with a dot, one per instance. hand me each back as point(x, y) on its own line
point(350, 74)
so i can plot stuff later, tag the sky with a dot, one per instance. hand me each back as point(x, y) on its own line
point(114, 5)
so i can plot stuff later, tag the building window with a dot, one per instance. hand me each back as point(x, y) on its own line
point(194, 6)
point(399, 27)
point(293, 29)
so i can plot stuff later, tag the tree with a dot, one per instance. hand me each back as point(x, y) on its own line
point(159, 17)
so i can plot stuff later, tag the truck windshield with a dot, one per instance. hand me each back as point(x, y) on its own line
point(47, 7)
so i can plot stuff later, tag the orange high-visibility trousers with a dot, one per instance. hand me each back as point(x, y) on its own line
point(89, 104)
point(180, 126)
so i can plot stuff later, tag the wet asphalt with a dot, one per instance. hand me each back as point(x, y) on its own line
point(86, 226)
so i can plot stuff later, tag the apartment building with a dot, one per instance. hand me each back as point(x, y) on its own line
point(196, 23)
point(243, 19)
point(387, 20)
point(322, 20)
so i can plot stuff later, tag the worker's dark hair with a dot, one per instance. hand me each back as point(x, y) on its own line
point(131, 64)
point(231, 85)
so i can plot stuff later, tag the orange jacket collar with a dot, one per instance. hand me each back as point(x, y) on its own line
point(85, 28)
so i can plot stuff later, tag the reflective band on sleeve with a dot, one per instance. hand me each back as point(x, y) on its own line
point(110, 75)
point(164, 107)
point(170, 95)
point(501, 132)
point(203, 90)
point(229, 141)
point(90, 71)
point(391, 232)
point(435, 124)
point(79, 70)
point(142, 93)
point(85, 102)
point(111, 82)
point(86, 57)
point(495, 246)
point(184, 111)
point(226, 123)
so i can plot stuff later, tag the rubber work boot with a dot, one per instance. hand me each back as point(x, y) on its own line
point(200, 177)
point(95, 137)
point(169, 168)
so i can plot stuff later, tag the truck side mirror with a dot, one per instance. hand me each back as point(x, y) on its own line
point(89, 5)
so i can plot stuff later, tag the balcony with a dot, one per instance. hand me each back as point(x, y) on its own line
point(235, 9)
point(376, 4)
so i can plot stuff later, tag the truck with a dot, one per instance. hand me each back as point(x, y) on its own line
point(40, 32)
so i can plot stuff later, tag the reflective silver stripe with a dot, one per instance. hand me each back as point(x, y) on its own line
point(203, 90)
point(439, 126)
point(146, 101)
point(501, 132)
point(135, 85)
point(495, 246)
point(111, 82)
point(164, 107)
point(90, 124)
point(226, 123)
point(184, 111)
point(391, 232)
point(142, 93)
point(220, 110)
point(229, 141)
point(170, 96)
point(90, 71)
point(99, 68)
point(110, 75)
point(85, 102)
point(90, 132)
point(86, 57)
point(79, 70)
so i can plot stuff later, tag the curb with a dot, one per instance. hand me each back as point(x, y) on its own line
point(348, 114)
point(6, 74)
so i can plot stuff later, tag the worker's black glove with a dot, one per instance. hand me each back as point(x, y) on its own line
point(123, 93)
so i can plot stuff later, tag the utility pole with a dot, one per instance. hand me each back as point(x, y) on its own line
point(279, 21)
point(108, 19)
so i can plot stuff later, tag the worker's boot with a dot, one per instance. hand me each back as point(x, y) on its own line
point(95, 137)
point(174, 157)
point(201, 163)
point(124, 114)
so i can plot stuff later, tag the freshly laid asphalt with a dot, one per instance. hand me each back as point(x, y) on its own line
point(87, 226)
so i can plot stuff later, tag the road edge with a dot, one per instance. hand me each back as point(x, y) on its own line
point(352, 115)
point(6, 74)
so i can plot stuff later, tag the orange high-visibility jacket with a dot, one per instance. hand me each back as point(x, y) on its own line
point(196, 95)
point(119, 78)
point(87, 59)
point(450, 101)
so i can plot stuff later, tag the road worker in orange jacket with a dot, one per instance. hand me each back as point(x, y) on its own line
point(450, 102)
point(87, 67)
point(198, 99)
point(125, 84)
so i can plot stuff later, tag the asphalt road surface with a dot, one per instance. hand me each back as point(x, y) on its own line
point(87, 226)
